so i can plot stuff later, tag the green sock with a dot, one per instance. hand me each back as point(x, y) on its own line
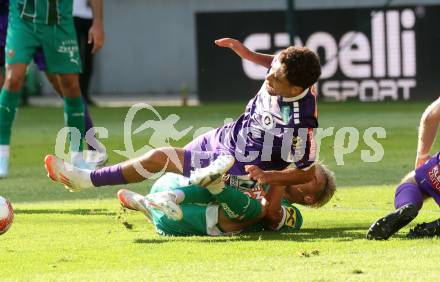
point(196, 194)
point(74, 117)
point(237, 205)
point(8, 107)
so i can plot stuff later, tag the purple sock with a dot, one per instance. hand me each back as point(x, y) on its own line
point(110, 175)
point(408, 193)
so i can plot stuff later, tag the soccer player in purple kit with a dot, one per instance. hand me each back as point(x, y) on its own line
point(418, 185)
point(272, 141)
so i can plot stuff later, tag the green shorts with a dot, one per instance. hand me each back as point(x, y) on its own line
point(58, 42)
point(197, 219)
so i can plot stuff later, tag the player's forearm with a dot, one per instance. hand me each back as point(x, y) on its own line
point(261, 59)
point(97, 11)
point(272, 206)
point(427, 133)
point(290, 176)
point(428, 128)
point(245, 53)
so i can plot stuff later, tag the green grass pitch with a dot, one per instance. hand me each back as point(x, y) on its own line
point(65, 236)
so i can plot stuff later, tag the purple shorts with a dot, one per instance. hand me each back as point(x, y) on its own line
point(200, 152)
point(38, 56)
point(428, 177)
point(207, 147)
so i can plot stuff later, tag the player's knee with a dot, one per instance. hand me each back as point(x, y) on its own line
point(155, 159)
point(70, 86)
point(53, 79)
point(14, 80)
point(71, 90)
point(163, 155)
point(409, 178)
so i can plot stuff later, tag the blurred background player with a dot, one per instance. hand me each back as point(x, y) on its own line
point(92, 156)
point(4, 10)
point(284, 109)
point(30, 30)
point(418, 185)
point(208, 206)
point(83, 18)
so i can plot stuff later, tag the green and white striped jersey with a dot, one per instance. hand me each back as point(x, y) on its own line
point(48, 12)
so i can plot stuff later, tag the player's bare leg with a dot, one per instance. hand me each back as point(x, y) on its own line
point(56, 84)
point(14, 77)
point(2, 77)
point(165, 159)
point(9, 100)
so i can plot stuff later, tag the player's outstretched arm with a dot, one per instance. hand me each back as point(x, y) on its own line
point(286, 177)
point(96, 32)
point(427, 131)
point(264, 60)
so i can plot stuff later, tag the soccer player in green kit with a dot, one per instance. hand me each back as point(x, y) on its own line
point(205, 205)
point(48, 25)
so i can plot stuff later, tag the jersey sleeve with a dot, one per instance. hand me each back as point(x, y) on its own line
point(292, 219)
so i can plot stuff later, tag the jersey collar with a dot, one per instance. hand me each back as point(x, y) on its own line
point(296, 98)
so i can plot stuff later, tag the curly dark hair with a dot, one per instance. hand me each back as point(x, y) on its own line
point(300, 65)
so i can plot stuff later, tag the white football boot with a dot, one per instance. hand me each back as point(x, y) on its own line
point(4, 161)
point(211, 177)
point(74, 179)
point(134, 201)
point(166, 203)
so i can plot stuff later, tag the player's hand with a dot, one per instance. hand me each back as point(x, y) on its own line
point(257, 174)
point(421, 159)
point(234, 44)
point(96, 37)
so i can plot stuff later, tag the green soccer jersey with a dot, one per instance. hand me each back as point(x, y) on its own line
point(48, 12)
point(293, 219)
point(201, 220)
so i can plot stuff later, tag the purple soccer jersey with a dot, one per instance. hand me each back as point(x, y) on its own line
point(428, 177)
point(4, 11)
point(272, 133)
